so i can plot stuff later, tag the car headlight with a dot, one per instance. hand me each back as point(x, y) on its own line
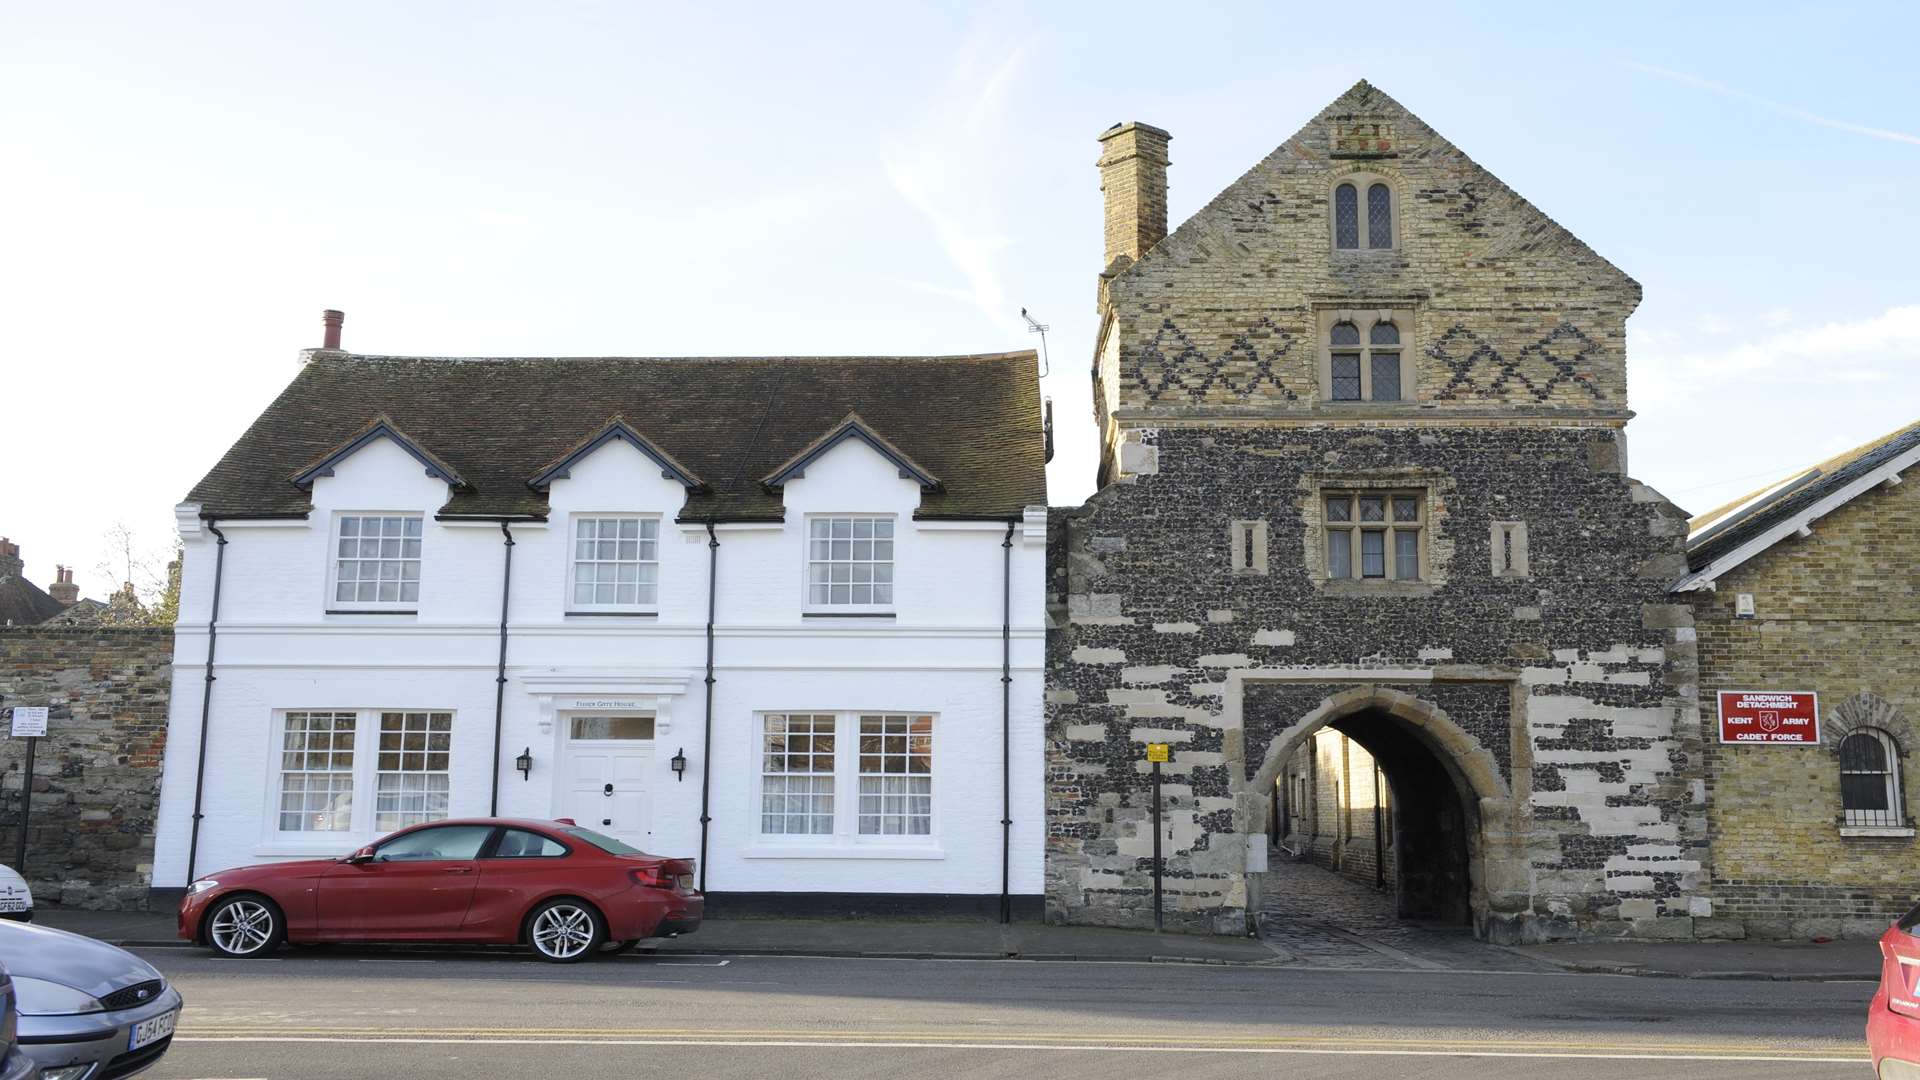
point(201, 886)
point(38, 997)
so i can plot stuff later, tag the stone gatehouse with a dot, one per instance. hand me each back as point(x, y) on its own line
point(1363, 468)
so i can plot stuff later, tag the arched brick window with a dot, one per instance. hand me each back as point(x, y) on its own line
point(1870, 779)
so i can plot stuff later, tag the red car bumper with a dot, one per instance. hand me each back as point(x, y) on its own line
point(655, 913)
point(191, 909)
point(1893, 1018)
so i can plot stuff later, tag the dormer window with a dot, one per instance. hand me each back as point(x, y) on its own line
point(376, 565)
point(1370, 227)
point(1364, 365)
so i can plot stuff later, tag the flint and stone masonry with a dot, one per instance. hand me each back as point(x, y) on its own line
point(1528, 687)
point(97, 773)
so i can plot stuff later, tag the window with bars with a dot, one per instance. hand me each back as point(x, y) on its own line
point(850, 562)
point(1870, 780)
point(316, 771)
point(377, 560)
point(412, 784)
point(1373, 535)
point(896, 775)
point(616, 563)
point(796, 774)
point(1364, 371)
point(1355, 229)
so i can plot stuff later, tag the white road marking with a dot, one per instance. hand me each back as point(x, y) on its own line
point(855, 1044)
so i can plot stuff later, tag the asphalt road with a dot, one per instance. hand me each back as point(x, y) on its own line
point(362, 1013)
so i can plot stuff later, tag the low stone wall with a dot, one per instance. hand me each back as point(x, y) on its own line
point(96, 783)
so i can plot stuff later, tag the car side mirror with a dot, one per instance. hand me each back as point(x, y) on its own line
point(364, 855)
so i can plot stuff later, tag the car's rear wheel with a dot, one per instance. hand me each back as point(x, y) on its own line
point(244, 926)
point(565, 931)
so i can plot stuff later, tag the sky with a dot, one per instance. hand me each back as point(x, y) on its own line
point(184, 187)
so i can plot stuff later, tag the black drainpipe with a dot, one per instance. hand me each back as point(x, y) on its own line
point(1006, 724)
point(206, 698)
point(500, 672)
point(706, 749)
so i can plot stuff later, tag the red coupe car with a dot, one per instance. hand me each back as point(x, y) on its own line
point(1893, 1019)
point(564, 890)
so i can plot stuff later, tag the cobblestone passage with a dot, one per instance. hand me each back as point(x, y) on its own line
point(1326, 920)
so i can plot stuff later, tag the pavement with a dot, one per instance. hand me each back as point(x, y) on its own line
point(355, 1012)
point(1330, 921)
point(1318, 921)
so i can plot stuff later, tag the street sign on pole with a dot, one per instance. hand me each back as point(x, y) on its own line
point(29, 721)
point(1157, 753)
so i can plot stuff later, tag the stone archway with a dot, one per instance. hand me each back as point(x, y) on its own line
point(1456, 832)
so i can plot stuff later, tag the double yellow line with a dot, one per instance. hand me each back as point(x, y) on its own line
point(1037, 1040)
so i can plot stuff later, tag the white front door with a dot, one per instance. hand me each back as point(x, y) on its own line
point(609, 776)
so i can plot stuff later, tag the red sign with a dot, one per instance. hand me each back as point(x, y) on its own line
point(1769, 716)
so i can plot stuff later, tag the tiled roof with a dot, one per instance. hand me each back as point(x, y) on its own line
point(1723, 529)
point(496, 424)
point(22, 603)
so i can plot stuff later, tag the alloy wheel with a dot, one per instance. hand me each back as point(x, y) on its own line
point(242, 927)
point(563, 931)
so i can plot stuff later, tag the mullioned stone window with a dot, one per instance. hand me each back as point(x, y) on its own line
point(1365, 214)
point(1364, 355)
point(1374, 534)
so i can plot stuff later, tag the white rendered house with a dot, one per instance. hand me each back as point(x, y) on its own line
point(781, 615)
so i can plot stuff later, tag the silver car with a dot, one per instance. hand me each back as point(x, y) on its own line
point(88, 1010)
point(14, 1065)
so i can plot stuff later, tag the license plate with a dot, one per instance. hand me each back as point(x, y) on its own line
point(13, 903)
point(151, 1031)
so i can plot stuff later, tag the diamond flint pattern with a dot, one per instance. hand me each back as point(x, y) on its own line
point(1172, 366)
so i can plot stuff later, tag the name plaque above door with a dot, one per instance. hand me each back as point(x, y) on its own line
point(557, 690)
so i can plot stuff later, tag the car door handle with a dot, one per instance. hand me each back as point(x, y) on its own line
point(606, 821)
point(456, 869)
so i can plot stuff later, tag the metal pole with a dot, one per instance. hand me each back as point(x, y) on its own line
point(1006, 724)
point(706, 735)
point(206, 699)
point(500, 672)
point(26, 804)
point(1159, 919)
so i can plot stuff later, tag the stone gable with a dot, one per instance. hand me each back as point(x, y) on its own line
point(1509, 310)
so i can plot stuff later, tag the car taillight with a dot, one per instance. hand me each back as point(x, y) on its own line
point(651, 877)
point(1900, 973)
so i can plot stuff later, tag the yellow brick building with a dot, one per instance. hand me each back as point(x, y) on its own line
point(1813, 585)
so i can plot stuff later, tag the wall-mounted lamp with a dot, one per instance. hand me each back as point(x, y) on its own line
point(524, 762)
point(679, 764)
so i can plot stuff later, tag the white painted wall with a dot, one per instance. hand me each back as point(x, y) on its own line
point(939, 654)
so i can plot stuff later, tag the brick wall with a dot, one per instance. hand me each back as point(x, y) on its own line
point(97, 773)
point(1838, 613)
point(1342, 832)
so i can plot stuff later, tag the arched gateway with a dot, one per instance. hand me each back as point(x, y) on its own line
point(1451, 799)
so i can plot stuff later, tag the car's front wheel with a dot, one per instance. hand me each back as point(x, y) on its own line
point(244, 926)
point(565, 931)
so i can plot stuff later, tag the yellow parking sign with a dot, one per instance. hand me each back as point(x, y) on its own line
point(1158, 751)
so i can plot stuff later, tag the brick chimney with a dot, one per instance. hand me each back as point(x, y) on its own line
point(331, 319)
point(10, 564)
point(63, 589)
point(1133, 174)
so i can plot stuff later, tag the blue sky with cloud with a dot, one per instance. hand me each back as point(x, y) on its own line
point(188, 186)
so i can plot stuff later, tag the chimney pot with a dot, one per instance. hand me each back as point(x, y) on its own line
point(63, 589)
point(1133, 175)
point(332, 319)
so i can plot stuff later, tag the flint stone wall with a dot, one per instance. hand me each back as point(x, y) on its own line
point(1571, 690)
point(97, 773)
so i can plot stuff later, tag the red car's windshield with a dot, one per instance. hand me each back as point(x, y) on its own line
point(605, 843)
point(1911, 920)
